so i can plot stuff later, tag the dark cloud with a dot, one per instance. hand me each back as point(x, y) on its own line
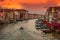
point(41, 7)
point(2, 0)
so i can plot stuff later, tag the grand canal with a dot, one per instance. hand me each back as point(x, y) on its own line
point(13, 32)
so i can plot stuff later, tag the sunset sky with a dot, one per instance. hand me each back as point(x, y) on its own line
point(34, 6)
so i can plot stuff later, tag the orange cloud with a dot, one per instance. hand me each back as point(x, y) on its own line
point(10, 4)
point(18, 3)
point(34, 1)
point(36, 4)
point(57, 2)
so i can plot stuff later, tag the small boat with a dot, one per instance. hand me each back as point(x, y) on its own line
point(21, 28)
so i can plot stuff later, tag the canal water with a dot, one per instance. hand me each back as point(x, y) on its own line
point(13, 32)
